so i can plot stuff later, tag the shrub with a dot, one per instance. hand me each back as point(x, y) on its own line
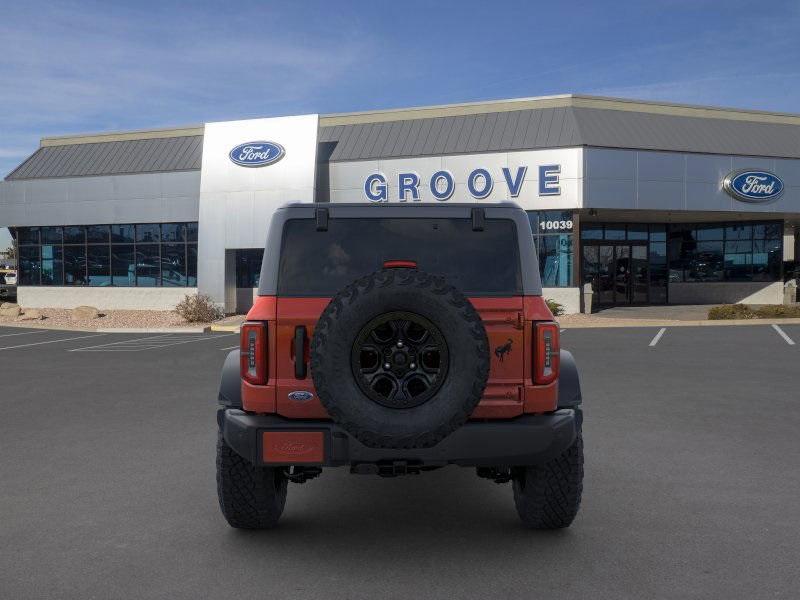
point(778, 311)
point(198, 308)
point(556, 308)
point(731, 311)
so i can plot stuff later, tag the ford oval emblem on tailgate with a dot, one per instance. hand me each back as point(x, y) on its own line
point(300, 396)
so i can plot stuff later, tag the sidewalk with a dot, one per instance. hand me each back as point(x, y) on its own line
point(658, 316)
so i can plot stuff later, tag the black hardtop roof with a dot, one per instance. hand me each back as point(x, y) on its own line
point(407, 205)
point(268, 283)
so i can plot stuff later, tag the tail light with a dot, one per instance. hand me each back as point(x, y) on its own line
point(546, 353)
point(253, 353)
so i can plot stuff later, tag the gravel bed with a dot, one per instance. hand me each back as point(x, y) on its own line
point(55, 318)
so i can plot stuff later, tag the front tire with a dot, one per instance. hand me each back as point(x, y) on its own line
point(548, 496)
point(250, 497)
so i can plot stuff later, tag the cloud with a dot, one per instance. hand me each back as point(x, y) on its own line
point(84, 68)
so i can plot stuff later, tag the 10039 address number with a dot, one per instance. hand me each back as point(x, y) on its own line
point(556, 225)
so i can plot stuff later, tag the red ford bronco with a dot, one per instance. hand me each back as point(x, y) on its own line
point(396, 339)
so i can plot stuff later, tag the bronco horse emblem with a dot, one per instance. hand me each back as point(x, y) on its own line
point(501, 351)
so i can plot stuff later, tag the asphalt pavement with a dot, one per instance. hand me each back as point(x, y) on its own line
point(692, 461)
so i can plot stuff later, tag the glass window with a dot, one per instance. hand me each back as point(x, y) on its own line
point(74, 265)
point(29, 265)
point(123, 265)
point(709, 232)
point(637, 232)
point(555, 260)
point(122, 234)
point(173, 265)
point(615, 231)
point(148, 265)
point(658, 233)
point(27, 235)
point(173, 232)
point(592, 231)
point(769, 231)
point(738, 267)
point(739, 231)
point(52, 265)
point(477, 262)
point(704, 262)
point(105, 255)
point(51, 235)
point(658, 253)
point(99, 264)
point(74, 235)
point(739, 247)
point(248, 267)
point(97, 234)
point(191, 270)
point(149, 232)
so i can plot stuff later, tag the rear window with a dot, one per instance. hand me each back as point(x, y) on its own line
point(320, 263)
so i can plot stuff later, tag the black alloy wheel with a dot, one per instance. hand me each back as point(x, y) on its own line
point(400, 359)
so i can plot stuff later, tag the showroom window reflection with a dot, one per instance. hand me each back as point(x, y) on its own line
point(553, 233)
point(133, 255)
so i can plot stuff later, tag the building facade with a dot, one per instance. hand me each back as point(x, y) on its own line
point(649, 203)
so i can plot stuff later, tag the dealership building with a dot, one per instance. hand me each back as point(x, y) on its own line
point(650, 203)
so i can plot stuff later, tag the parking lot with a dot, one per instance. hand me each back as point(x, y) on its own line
point(107, 482)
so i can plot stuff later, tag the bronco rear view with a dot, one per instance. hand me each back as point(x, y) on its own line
point(397, 339)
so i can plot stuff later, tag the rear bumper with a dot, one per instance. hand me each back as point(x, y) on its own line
point(527, 440)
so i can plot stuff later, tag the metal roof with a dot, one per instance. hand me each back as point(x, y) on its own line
point(182, 153)
point(489, 132)
point(504, 125)
point(560, 127)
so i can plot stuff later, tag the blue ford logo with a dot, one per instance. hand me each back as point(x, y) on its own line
point(753, 186)
point(257, 154)
point(300, 396)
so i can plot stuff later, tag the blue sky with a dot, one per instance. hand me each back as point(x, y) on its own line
point(74, 67)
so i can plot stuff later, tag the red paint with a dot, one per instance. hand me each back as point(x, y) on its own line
point(264, 309)
point(292, 447)
point(509, 393)
point(400, 264)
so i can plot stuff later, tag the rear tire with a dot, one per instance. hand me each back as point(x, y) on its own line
point(548, 496)
point(250, 497)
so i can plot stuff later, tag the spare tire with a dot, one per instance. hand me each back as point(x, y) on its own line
point(400, 359)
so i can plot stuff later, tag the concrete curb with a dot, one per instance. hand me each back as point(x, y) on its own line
point(227, 328)
point(609, 323)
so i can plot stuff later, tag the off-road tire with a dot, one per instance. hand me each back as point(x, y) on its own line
point(549, 496)
point(250, 497)
point(431, 297)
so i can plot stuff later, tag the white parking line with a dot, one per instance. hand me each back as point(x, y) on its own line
point(231, 348)
point(148, 343)
point(152, 337)
point(83, 337)
point(658, 336)
point(25, 333)
point(782, 333)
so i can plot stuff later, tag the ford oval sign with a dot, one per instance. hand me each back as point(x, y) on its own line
point(753, 186)
point(257, 154)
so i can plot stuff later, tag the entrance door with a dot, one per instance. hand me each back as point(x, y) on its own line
point(618, 272)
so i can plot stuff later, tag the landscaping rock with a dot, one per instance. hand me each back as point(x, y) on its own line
point(31, 315)
point(12, 311)
point(84, 313)
point(8, 304)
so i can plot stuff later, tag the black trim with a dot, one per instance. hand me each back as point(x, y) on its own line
point(300, 352)
point(526, 440)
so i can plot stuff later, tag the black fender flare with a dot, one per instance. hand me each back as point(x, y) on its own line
point(230, 385)
point(569, 384)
